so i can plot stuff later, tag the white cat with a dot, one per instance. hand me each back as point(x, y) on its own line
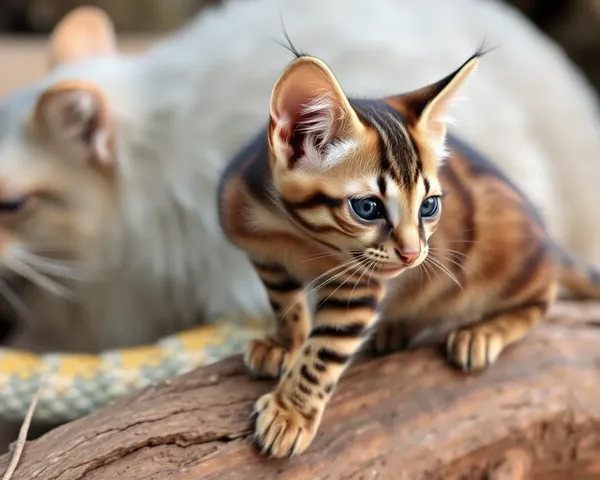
point(109, 165)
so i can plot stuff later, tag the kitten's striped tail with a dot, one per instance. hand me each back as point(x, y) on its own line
point(580, 278)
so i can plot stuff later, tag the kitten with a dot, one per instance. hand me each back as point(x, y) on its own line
point(365, 203)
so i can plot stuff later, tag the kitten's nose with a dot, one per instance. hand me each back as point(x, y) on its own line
point(408, 257)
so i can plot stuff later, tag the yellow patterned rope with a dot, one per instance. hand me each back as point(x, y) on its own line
point(77, 384)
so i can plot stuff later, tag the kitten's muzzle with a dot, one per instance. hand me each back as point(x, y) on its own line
point(407, 257)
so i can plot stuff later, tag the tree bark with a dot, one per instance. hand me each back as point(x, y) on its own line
point(534, 415)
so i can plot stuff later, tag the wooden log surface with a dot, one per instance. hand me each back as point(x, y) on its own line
point(535, 414)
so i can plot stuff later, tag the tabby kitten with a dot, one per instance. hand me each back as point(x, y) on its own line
point(341, 198)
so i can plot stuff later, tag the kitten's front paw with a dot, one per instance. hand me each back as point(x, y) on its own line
point(475, 348)
point(265, 357)
point(280, 429)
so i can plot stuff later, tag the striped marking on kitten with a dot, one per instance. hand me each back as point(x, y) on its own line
point(343, 198)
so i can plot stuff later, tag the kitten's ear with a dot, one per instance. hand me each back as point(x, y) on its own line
point(85, 32)
point(427, 108)
point(75, 116)
point(308, 111)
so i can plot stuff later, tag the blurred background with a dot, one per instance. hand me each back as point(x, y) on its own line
point(574, 24)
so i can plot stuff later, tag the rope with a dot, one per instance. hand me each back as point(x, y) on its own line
point(77, 384)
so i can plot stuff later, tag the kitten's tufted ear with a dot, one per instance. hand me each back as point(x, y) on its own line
point(75, 116)
point(311, 118)
point(85, 32)
point(427, 108)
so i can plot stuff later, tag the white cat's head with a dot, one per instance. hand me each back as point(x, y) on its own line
point(57, 152)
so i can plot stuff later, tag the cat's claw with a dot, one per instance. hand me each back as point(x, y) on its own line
point(474, 349)
point(281, 431)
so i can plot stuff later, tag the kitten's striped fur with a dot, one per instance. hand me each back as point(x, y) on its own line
point(479, 284)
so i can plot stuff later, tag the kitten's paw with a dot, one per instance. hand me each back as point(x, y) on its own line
point(389, 337)
point(280, 429)
point(265, 357)
point(474, 349)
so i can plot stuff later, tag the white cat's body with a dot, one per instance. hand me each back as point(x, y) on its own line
point(184, 108)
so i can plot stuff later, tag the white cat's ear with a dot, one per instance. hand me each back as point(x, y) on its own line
point(85, 32)
point(309, 110)
point(75, 116)
point(427, 108)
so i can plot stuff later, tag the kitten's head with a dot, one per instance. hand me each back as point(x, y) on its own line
point(361, 176)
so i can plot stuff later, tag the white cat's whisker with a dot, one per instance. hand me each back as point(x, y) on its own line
point(58, 268)
point(15, 302)
point(38, 278)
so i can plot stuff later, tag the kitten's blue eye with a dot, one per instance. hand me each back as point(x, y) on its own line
point(368, 209)
point(430, 207)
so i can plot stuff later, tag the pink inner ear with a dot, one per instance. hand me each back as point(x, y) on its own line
point(303, 116)
point(299, 131)
point(304, 107)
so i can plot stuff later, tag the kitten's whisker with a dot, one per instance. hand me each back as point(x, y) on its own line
point(336, 276)
point(455, 263)
point(452, 261)
point(426, 268)
point(341, 266)
point(431, 266)
point(462, 241)
point(345, 266)
point(366, 269)
point(444, 269)
point(372, 267)
point(319, 256)
point(356, 268)
point(448, 250)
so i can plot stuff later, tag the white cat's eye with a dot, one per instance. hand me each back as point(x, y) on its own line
point(10, 205)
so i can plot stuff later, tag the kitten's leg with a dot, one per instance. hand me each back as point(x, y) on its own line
point(267, 356)
point(478, 346)
point(288, 417)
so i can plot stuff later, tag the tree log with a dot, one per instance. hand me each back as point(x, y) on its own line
point(534, 415)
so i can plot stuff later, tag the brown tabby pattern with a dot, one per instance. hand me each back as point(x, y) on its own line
point(340, 198)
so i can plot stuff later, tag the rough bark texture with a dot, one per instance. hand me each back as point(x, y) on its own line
point(535, 414)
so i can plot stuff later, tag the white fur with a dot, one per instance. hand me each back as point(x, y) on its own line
point(338, 151)
point(183, 109)
point(325, 113)
point(321, 153)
